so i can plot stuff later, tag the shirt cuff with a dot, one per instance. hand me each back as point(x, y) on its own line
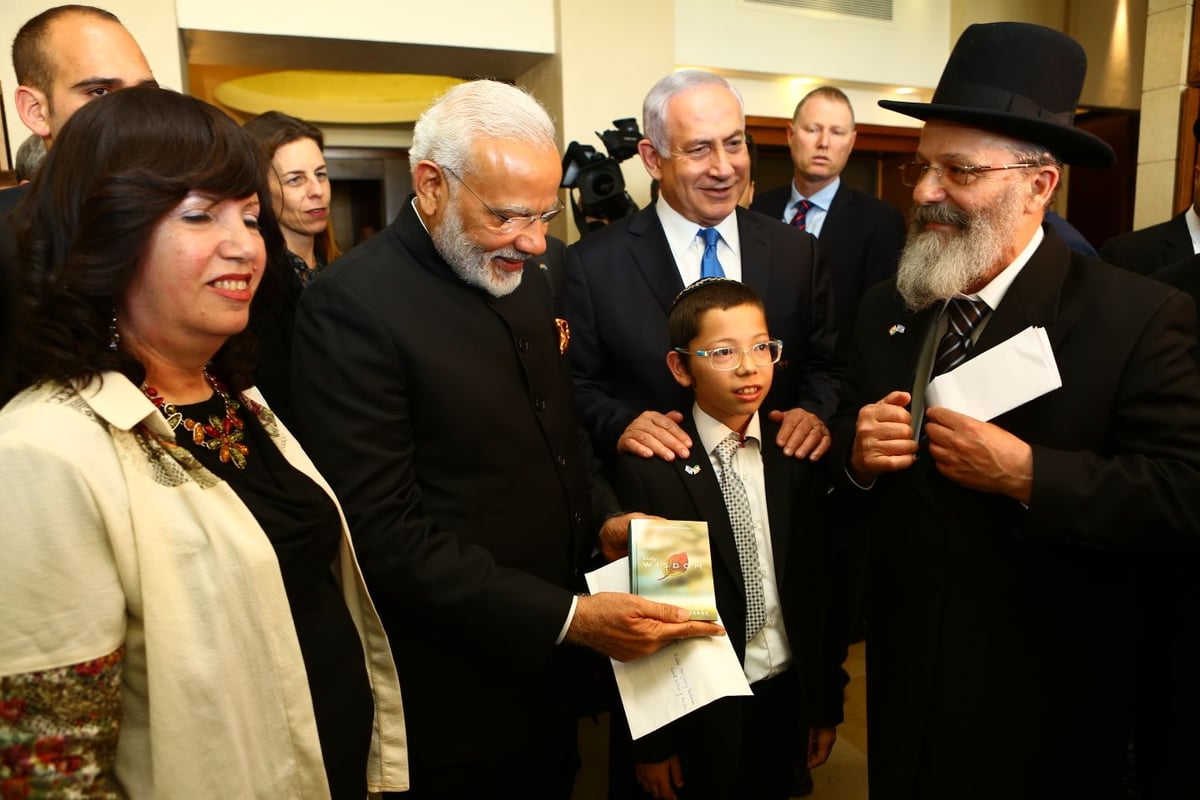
point(856, 483)
point(570, 617)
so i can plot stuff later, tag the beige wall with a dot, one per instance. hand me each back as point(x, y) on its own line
point(1168, 35)
point(1051, 13)
point(769, 40)
point(1114, 34)
point(526, 25)
point(605, 74)
point(1111, 31)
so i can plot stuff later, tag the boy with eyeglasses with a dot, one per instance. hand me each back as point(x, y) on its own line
point(770, 548)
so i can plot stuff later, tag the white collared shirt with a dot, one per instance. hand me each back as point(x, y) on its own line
point(1193, 225)
point(688, 248)
point(768, 653)
point(998, 286)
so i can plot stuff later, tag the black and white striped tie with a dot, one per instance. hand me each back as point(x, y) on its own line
point(737, 503)
point(962, 315)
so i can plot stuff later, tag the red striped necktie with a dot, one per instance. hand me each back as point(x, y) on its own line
point(801, 214)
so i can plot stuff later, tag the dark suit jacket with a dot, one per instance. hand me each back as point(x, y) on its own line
point(1150, 248)
point(992, 626)
point(1185, 275)
point(553, 265)
point(444, 420)
point(859, 245)
point(1168, 704)
point(273, 323)
point(800, 541)
point(9, 198)
point(621, 281)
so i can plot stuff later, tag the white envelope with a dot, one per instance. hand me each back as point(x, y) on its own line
point(1009, 375)
point(681, 677)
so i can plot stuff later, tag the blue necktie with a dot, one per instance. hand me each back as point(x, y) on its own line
point(710, 266)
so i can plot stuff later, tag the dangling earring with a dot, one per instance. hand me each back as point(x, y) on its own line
point(114, 338)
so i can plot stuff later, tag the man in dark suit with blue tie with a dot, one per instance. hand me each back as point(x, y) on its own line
point(622, 279)
point(859, 236)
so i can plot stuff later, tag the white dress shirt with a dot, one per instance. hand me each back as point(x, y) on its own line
point(1193, 224)
point(768, 653)
point(688, 248)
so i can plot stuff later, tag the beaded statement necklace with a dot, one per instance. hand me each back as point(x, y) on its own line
point(224, 435)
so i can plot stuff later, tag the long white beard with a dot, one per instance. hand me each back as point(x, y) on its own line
point(470, 261)
point(938, 265)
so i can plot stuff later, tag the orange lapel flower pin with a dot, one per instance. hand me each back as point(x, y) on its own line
point(564, 335)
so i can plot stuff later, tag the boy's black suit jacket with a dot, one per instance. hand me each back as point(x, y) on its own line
point(800, 540)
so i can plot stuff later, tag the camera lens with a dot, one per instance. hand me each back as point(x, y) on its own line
point(603, 184)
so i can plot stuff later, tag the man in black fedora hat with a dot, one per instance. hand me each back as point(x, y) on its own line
point(1002, 632)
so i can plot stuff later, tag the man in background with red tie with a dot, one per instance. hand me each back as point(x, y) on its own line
point(1003, 643)
point(860, 235)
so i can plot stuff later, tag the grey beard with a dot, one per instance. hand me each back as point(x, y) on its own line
point(469, 261)
point(937, 265)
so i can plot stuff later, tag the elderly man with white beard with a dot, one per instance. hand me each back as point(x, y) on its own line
point(433, 386)
point(1002, 627)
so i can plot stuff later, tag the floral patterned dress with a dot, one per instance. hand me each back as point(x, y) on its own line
point(59, 728)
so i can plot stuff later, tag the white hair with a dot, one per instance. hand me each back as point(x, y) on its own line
point(654, 107)
point(937, 265)
point(482, 109)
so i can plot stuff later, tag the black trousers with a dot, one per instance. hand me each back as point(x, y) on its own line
point(733, 748)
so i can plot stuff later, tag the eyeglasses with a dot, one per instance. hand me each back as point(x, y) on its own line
point(961, 174)
point(730, 358)
point(510, 224)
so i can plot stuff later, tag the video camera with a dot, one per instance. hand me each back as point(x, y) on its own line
point(602, 195)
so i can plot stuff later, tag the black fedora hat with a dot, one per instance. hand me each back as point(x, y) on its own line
point(1020, 80)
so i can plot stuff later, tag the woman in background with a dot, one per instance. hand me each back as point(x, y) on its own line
point(184, 615)
point(300, 196)
point(299, 188)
